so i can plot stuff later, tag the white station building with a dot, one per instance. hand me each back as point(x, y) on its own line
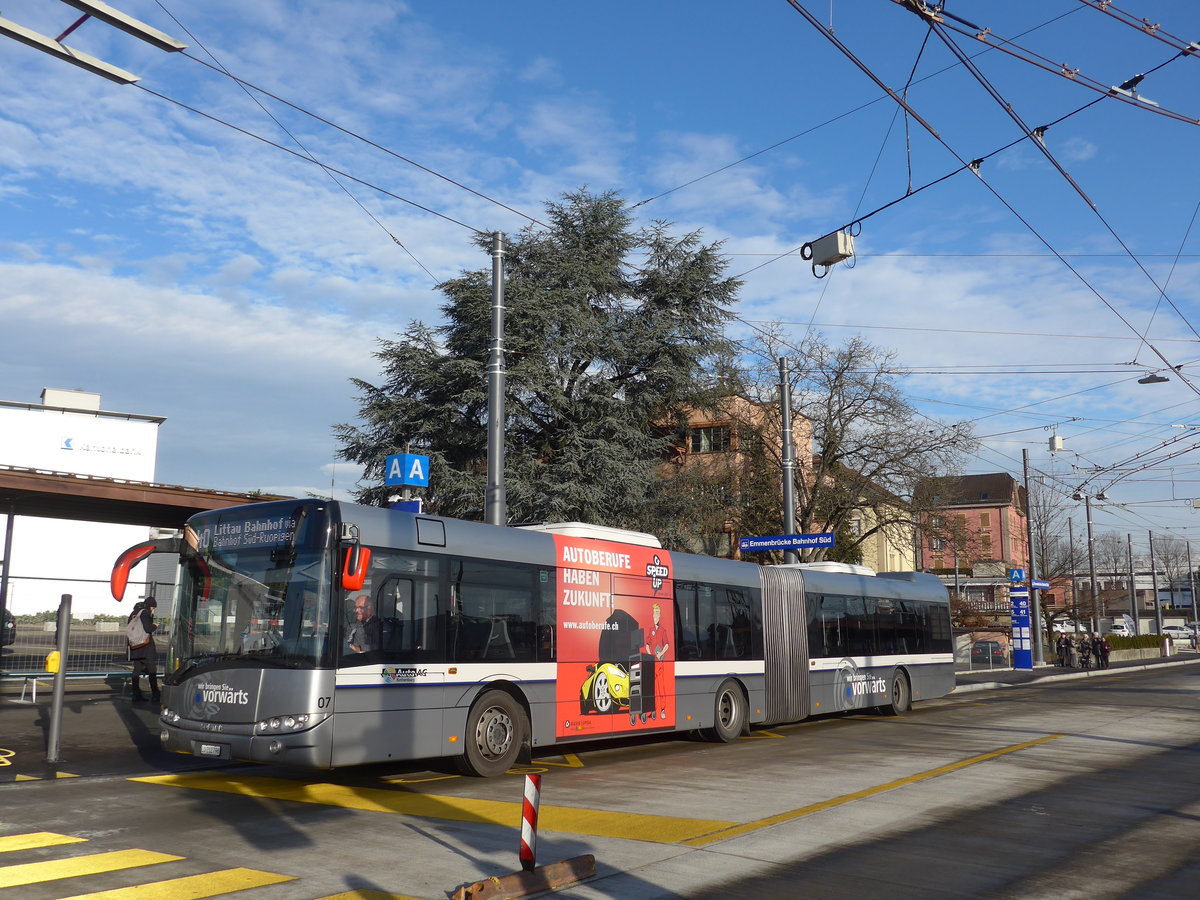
point(68, 433)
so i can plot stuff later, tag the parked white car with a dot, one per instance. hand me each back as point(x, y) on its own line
point(1180, 634)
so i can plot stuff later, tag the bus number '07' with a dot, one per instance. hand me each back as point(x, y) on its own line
point(323, 702)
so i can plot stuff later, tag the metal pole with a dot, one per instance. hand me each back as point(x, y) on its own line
point(1092, 564)
point(789, 459)
point(1154, 582)
point(1039, 653)
point(1074, 577)
point(1192, 584)
point(60, 681)
point(495, 498)
point(7, 561)
point(1133, 605)
point(957, 589)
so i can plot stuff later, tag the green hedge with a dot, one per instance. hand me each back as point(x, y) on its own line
point(1142, 641)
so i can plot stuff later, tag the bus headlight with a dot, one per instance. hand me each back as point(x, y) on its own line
point(289, 723)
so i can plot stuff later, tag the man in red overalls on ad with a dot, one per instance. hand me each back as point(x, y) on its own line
point(656, 646)
point(657, 642)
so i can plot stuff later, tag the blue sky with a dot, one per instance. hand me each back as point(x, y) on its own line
point(180, 268)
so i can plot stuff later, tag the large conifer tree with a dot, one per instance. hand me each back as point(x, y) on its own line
point(609, 331)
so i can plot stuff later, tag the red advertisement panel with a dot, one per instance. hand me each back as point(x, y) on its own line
point(616, 636)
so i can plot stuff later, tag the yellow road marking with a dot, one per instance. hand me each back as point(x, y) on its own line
point(191, 887)
point(760, 736)
point(596, 822)
point(737, 830)
point(419, 779)
point(27, 778)
point(36, 839)
point(94, 864)
point(572, 762)
point(5, 756)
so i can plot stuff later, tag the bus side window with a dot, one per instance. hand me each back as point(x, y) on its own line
point(392, 601)
point(497, 606)
point(833, 624)
point(889, 629)
point(687, 637)
point(816, 630)
point(860, 622)
point(937, 620)
point(706, 621)
point(546, 650)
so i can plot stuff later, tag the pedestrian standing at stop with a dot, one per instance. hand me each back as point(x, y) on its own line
point(1085, 652)
point(139, 634)
point(1064, 650)
point(1102, 647)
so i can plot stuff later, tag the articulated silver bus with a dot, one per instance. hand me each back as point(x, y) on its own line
point(322, 634)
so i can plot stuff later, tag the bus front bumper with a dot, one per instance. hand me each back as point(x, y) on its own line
point(311, 748)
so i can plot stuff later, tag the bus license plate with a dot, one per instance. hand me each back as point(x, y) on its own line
point(216, 751)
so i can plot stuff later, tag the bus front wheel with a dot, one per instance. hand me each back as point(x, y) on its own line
point(730, 719)
point(495, 732)
point(901, 696)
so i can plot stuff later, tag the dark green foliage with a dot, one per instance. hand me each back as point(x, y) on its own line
point(1135, 642)
point(607, 334)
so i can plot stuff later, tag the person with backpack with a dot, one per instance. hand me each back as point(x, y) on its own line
point(139, 634)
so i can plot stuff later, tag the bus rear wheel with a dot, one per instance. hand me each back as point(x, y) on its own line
point(901, 696)
point(495, 732)
point(730, 720)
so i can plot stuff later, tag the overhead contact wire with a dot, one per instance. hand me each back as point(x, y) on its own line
point(307, 159)
point(299, 143)
point(862, 66)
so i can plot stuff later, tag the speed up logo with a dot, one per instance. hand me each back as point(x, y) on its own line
point(657, 573)
point(855, 689)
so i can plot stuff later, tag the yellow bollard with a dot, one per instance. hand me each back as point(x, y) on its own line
point(53, 661)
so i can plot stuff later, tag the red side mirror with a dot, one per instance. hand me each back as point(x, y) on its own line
point(119, 579)
point(120, 574)
point(354, 570)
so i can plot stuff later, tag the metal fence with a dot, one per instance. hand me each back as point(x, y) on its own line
point(93, 647)
point(980, 650)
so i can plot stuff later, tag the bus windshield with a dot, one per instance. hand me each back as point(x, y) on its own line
point(254, 589)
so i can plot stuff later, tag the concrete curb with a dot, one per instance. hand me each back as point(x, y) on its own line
point(1066, 676)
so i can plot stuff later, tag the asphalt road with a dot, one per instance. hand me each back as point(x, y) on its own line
point(1084, 788)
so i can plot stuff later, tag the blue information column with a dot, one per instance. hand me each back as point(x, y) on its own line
point(1022, 638)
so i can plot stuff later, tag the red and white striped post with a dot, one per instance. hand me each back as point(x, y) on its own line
point(529, 815)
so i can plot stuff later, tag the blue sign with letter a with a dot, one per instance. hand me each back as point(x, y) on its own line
point(406, 469)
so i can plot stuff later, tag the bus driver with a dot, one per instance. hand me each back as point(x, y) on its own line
point(367, 631)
